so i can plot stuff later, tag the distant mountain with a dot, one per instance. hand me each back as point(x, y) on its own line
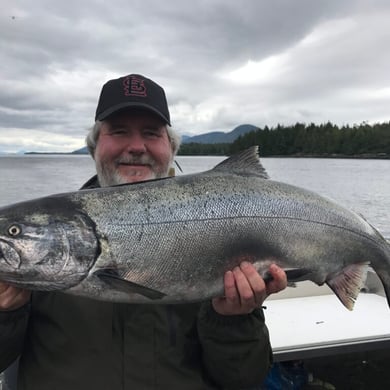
point(217, 137)
point(83, 150)
point(185, 137)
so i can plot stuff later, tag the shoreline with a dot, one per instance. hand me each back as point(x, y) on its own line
point(364, 156)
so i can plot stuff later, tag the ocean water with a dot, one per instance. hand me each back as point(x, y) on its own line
point(360, 185)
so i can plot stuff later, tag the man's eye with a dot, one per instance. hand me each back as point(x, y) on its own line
point(152, 133)
point(118, 132)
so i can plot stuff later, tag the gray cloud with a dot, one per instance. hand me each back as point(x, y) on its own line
point(310, 61)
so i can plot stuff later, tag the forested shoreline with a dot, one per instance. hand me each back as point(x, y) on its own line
point(302, 140)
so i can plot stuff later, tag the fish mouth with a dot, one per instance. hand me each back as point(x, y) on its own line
point(9, 254)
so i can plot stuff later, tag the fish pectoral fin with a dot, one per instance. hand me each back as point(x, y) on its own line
point(348, 282)
point(119, 282)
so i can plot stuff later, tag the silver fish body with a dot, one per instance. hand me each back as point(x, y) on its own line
point(172, 240)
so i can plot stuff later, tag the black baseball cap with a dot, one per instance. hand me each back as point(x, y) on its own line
point(130, 91)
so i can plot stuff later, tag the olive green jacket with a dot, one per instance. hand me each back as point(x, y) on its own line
point(69, 342)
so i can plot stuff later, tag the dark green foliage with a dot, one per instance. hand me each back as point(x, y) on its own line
point(197, 149)
point(325, 140)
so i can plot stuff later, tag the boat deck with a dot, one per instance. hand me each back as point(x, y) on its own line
point(309, 321)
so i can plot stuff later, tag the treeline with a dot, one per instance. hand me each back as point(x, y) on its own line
point(306, 140)
point(195, 149)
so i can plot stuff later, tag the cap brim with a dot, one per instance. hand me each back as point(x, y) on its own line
point(105, 114)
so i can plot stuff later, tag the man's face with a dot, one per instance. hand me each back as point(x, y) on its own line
point(132, 147)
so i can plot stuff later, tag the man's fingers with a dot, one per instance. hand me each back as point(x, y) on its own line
point(225, 305)
point(279, 280)
point(255, 281)
point(3, 287)
point(12, 298)
point(231, 294)
point(245, 290)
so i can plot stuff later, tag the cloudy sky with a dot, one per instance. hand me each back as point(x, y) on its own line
point(221, 62)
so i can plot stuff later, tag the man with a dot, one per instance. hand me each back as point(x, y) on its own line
point(69, 342)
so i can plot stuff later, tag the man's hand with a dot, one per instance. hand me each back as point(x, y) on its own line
point(245, 289)
point(12, 298)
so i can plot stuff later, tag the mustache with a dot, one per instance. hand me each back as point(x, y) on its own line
point(135, 160)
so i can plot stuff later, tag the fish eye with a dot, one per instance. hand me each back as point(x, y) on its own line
point(14, 230)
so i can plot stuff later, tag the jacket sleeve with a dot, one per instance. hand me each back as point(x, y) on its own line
point(236, 350)
point(13, 325)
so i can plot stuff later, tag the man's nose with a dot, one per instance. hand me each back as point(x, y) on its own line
point(136, 144)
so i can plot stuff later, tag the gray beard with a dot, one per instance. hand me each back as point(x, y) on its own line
point(107, 178)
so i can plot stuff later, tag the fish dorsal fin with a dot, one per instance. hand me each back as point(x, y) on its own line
point(245, 163)
point(348, 283)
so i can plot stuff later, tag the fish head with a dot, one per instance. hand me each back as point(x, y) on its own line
point(38, 242)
